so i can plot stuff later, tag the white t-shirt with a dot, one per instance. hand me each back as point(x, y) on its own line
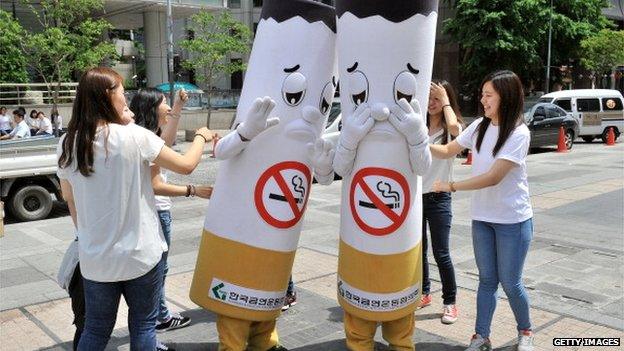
point(509, 201)
point(45, 125)
point(5, 122)
point(440, 169)
point(21, 131)
point(163, 203)
point(119, 232)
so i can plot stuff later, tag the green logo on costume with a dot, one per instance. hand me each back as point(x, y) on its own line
point(219, 294)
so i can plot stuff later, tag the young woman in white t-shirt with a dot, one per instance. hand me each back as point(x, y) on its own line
point(444, 123)
point(45, 125)
point(502, 217)
point(5, 121)
point(104, 167)
point(152, 112)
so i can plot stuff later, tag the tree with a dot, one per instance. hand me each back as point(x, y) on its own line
point(495, 34)
point(216, 37)
point(13, 63)
point(70, 41)
point(603, 52)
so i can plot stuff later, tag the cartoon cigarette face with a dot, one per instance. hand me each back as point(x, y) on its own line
point(383, 58)
point(292, 61)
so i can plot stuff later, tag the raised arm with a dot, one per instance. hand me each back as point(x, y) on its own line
point(184, 164)
point(169, 131)
point(354, 129)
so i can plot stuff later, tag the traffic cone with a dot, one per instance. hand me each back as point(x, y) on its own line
point(561, 145)
point(610, 137)
point(468, 159)
point(215, 139)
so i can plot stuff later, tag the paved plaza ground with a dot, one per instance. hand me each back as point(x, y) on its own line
point(574, 271)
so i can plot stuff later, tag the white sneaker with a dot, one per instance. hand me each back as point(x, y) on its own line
point(478, 343)
point(525, 340)
point(449, 315)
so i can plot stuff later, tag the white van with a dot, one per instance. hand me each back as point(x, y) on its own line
point(596, 110)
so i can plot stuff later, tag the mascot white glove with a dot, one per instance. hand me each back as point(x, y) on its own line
point(408, 120)
point(322, 158)
point(355, 128)
point(257, 120)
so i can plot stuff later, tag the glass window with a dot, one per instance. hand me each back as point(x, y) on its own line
point(552, 112)
point(588, 105)
point(612, 104)
point(565, 104)
point(540, 111)
point(257, 3)
point(234, 4)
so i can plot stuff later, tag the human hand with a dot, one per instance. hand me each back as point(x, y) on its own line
point(355, 128)
point(205, 132)
point(441, 187)
point(438, 92)
point(257, 119)
point(407, 119)
point(205, 192)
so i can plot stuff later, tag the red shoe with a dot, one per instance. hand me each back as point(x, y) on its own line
point(425, 300)
point(449, 315)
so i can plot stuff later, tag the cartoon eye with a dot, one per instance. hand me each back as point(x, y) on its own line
point(294, 88)
point(358, 84)
point(404, 86)
point(326, 98)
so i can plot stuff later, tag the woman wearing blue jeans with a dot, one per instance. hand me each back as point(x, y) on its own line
point(152, 112)
point(444, 123)
point(105, 179)
point(502, 217)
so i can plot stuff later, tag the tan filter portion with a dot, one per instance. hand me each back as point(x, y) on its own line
point(379, 287)
point(240, 281)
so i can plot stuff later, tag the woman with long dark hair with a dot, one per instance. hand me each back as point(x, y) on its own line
point(152, 112)
point(502, 217)
point(105, 179)
point(444, 123)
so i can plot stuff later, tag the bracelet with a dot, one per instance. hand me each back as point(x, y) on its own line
point(449, 105)
point(188, 190)
point(175, 115)
point(452, 186)
point(203, 137)
point(193, 191)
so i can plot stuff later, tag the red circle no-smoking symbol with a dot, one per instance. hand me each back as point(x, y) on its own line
point(282, 192)
point(379, 200)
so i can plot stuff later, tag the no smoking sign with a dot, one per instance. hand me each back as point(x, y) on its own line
point(379, 199)
point(282, 192)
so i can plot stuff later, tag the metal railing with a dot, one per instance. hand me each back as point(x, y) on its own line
point(35, 93)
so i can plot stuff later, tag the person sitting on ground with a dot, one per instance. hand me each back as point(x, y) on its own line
point(21, 129)
point(45, 125)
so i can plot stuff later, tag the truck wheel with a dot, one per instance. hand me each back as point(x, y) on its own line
point(616, 134)
point(588, 139)
point(31, 203)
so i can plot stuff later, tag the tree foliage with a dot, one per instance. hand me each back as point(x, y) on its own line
point(216, 37)
point(496, 34)
point(70, 41)
point(13, 63)
point(603, 51)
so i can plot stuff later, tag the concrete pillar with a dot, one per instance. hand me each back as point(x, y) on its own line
point(155, 32)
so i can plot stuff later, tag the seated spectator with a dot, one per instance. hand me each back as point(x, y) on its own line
point(44, 126)
point(32, 122)
point(21, 129)
point(5, 121)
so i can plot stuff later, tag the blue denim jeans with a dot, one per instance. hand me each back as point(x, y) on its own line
point(500, 251)
point(165, 224)
point(102, 302)
point(437, 212)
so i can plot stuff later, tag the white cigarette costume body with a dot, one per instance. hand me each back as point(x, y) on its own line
point(254, 218)
point(385, 58)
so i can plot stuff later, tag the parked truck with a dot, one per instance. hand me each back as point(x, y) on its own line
point(28, 181)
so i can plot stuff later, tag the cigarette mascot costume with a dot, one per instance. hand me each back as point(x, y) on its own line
point(254, 218)
point(385, 58)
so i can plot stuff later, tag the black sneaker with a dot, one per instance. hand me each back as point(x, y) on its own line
point(278, 348)
point(175, 322)
point(162, 347)
point(289, 301)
